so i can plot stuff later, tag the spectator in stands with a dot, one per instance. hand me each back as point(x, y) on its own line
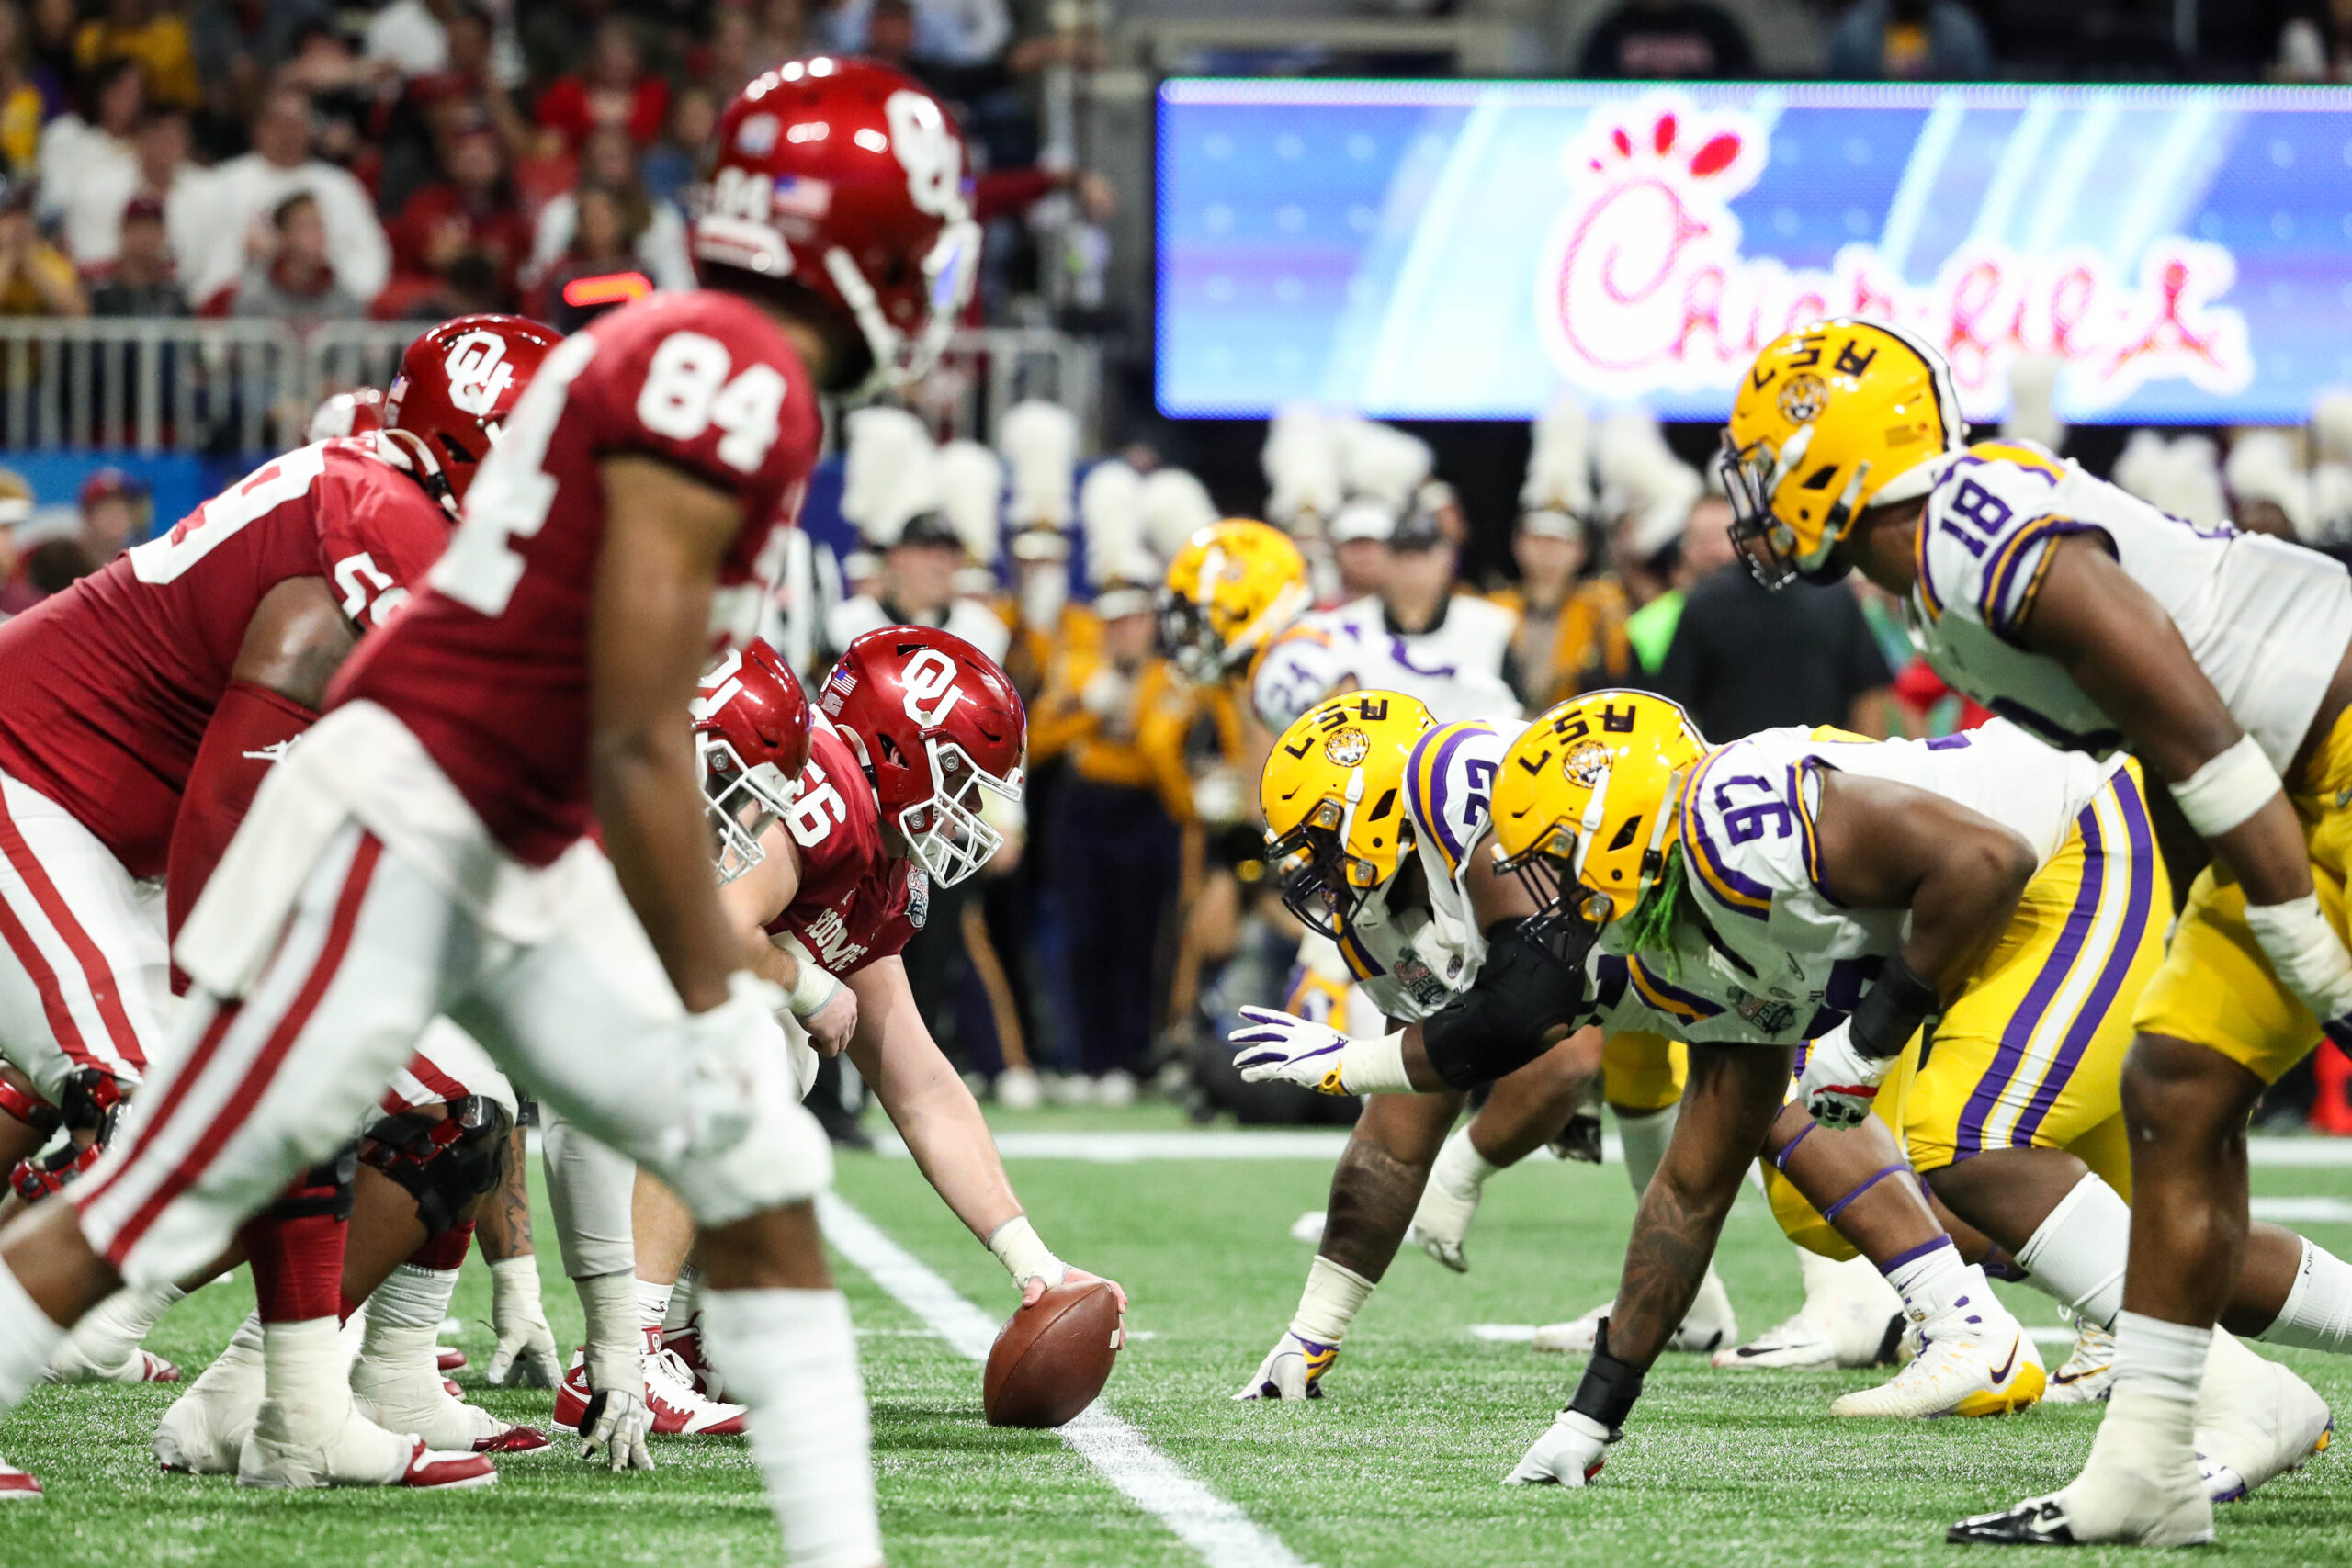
point(55, 26)
point(115, 512)
point(609, 163)
point(26, 98)
point(782, 32)
point(612, 89)
point(160, 168)
point(672, 166)
point(411, 36)
point(2316, 47)
point(470, 211)
point(238, 43)
point(294, 280)
point(603, 243)
point(16, 510)
point(947, 32)
point(346, 97)
point(244, 194)
point(1571, 635)
point(1909, 40)
point(36, 278)
point(1677, 39)
point(156, 38)
point(141, 279)
point(91, 149)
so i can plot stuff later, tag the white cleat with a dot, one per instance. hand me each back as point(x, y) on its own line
point(1977, 1360)
point(2253, 1427)
point(1801, 1342)
point(406, 1393)
point(1709, 1326)
point(139, 1366)
point(2124, 1508)
point(205, 1429)
point(359, 1453)
point(2089, 1372)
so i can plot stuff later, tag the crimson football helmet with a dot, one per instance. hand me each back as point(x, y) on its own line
point(456, 387)
point(751, 737)
point(939, 728)
point(847, 177)
point(355, 412)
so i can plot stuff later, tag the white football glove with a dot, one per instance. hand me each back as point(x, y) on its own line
point(526, 1351)
point(1280, 1046)
point(1839, 1084)
point(1568, 1454)
point(617, 1422)
point(1293, 1368)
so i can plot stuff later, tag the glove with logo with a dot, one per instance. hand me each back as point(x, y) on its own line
point(1279, 1046)
point(1840, 1085)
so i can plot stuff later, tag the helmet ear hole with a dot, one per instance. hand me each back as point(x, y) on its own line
point(455, 452)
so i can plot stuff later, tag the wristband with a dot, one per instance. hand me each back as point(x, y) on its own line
point(2305, 953)
point(812, 992)
point(1375, 1066)
point(515, 1279)
point(1024, 1256)
point(1891, 1011)
point(2235, 784)
point(1610, 1387)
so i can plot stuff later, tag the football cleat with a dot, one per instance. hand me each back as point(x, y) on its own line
point(679, 1411)
point(205, 1429)
point(2255, 1428)
point(1293, 1368)
point(360, 1454)
point(448, 1358)
point(139, 1366)
point(2130, 1511)
point(686, 1345)
point(1709, 1326)
point(17, 1485)
point(2040, 1521)
point(1965, 1368)
point(2089, 1372)
point(1800, 1341)
point(406, 1394)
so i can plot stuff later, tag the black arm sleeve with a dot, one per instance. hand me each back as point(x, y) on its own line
point(1499, 1025)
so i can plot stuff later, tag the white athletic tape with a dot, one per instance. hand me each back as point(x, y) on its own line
point(1221, 1533)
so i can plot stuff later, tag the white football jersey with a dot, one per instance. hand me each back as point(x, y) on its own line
point(2266, 620)
point(1412, 960)
point(1454, 667)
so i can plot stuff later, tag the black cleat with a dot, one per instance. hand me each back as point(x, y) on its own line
point(2041, 1522)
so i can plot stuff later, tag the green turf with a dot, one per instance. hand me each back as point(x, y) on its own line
point(1398, 1467)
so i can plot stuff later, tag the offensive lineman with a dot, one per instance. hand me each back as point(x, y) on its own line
point(423, 849)
point(2224, 662)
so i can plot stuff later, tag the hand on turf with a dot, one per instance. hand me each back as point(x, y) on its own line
point(1839, 1084)
point(525, 1356)
point(1293, 1368)
point(1282, 1046)
point(617, 1422)
point(1036, 1285)
point(1568, 1454)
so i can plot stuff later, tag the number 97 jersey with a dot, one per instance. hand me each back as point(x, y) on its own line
point(490, 671)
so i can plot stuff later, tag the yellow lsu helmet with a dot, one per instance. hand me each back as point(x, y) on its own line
point(1235, 586)
point(1334, 797)
point(1832, 418)
point(1583, 805)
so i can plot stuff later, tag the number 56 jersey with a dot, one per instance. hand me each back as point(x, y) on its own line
point(489, 668)
point(855, 902)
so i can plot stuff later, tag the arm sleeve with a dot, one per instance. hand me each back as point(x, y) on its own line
point(249, 729)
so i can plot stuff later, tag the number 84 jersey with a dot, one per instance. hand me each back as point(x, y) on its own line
point(489, 668)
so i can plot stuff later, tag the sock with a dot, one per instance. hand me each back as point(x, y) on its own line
point(2159, 1358)
point(1460, 1171)
point(28, 1341)
point(1331, 1301)
point(791, 1358)
point(685, 1305)
point(616, 1338)
point(297, 1266)
point(2078, 1252)
point(110, 1333)
point(2318, 1314)
point(1644, 1135)
point(653, 1308)
point(305, 1375)
point(2148, 1436)
point(1938, 1288)
point(446, 1251)
point(410, 1298)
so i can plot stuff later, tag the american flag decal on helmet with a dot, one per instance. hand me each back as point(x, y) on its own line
point(838, 687)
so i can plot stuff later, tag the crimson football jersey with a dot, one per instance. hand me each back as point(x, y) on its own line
point(855, 904)
point(489, 668)
point(106, 688)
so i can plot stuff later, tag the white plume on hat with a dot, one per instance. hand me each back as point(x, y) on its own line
point(890, 474)
point(2332, 427)
point(1176, 505)
point(2264, 465)
point(2183, 477)
point(2033, 402)
point(1559, 467)
point(971, 485)
point(1110, 511)
point(1645, 487)
point(2331, 505)
point(1039, 441)
point(1300, 459)
point(1382, 462)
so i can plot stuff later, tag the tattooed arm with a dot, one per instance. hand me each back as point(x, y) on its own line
point(1734, 1093)
point(504, 1224)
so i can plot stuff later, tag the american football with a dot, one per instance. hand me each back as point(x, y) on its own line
point(1582, 766)
point(1052, 1358)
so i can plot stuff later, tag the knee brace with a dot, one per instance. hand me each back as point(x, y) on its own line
point(444, 1163)
point(23, 1105)
point(324, 1189)
point(1499, 1025)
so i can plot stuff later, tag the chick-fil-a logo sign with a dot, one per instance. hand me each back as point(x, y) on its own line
point(1643, 285)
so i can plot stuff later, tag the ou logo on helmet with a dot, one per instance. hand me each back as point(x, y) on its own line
point(930, 678)
point(479, 374)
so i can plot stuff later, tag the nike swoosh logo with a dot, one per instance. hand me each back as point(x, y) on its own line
point(2001, 1374)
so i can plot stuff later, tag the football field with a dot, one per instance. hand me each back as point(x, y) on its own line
point(1399, 1466)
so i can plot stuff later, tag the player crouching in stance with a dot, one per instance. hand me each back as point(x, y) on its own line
point(2007, 892)
point(424, 849)
point(2222, 660)
point(1378, 820)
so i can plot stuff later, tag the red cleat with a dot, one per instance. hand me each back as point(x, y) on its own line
point(678, 1409)
point(451, 1359)
point(513, 1440)
point(429, 1469)
point(17, 1485)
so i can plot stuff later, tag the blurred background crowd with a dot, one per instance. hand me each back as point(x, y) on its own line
point(310, 164)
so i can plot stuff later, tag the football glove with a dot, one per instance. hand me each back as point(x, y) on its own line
point(1840, 1085)
point(525, 1356)
point(1281, 1047)
point(1568, 1454)
point(617, 1421)
point(1293, 1368)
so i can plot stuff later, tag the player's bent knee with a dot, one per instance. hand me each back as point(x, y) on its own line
point(445, 1161)
point(2178, 1085)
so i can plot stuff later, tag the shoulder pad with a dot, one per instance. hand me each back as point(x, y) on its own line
point(1746, 831)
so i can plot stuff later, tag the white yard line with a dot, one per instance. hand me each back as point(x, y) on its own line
point(1221, 1533)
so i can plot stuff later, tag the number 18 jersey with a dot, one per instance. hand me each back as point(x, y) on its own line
point(489, 668)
